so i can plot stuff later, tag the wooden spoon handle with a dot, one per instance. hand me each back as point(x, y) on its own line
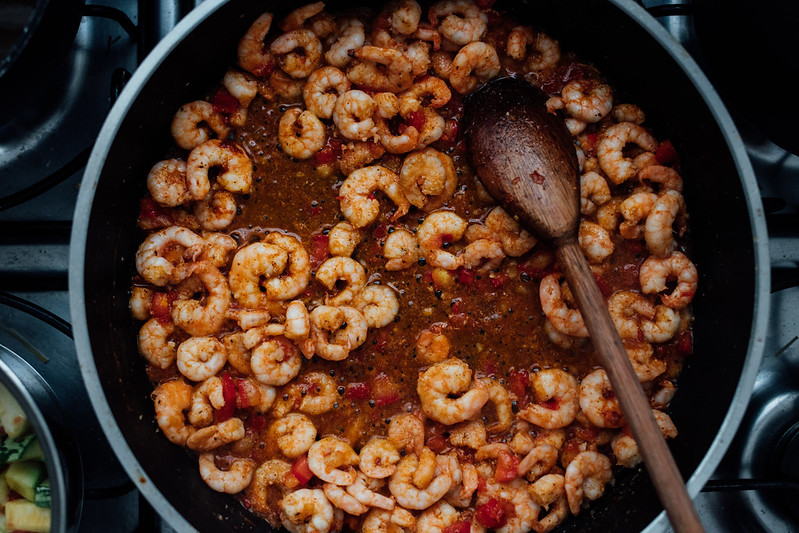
point(634, 404)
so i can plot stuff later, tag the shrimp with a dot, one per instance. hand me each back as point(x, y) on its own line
point(428, 178)
point(336, 331)
point(406, 432)
point(298, 65)
point(595, 242)
point(586, 477)
point(398, 520)
point(401, 250)
point(609, 150)
point(409, 495)
point(297, 274)
point(202, 319)
point(646, 366)
point(268, 485)
point(301, 133)
point(166, 182)
point(331, 460)
point(155, 345)
point(556, 399)
point(598, 401)
point(594, 191)
point(206, 397)
point(437, 518)
point(475, 253)
point(668, 209)
point(212, 437)
point(307, 511)
point(438, 384)
point(381, 69)
point(432, 346)
point(538, 461)
point(320, 393)
point(296, 19)
point(170, 400)
point(547, 51)
point(199, 358)
point(352, 115)
point(475, 63)
point(378, 458)
point(159, 258)
point(425, 470)
point(355, 155)
point(586, 100)
point(364, 489)
point(666, 177)
point(430, 87)
point(351, 37)
point(252, 264)
point(405, 16)
point(343, 239)
point(439, 229)
point(442, 64)
point(634, 209)
point(400, 143)
point(275, 361)
point(139, 303)
point(252, 54)
point(661, 396)
point(343, 269)
point(357, 203)
point(564, 319)
point(323, 88)
point(379, 305)
point(462, 20)
point(294, 434)
point(343, 500)
point(659, 323)
point(298, 321)
point(628, 113)
point(235, 168)
point(515, 240)
point(231, 481)
point(244, 89)
point(285, 87)
point(655, 272)
point(550, 493)
point(216, 211)
point(193, 120)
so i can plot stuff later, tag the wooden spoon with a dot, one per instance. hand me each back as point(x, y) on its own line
point(526, 160)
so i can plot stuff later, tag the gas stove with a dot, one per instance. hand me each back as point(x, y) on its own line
point(44, 147)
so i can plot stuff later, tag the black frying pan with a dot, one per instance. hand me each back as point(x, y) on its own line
point(629, 47)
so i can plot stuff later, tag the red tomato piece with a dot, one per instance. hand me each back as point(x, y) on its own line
point(518, 381)
point(384, 390)
point(320, 249)
point(358, 391)
point(153, 214)
point(465, 276)
point(507, 465)
point(492, 514)
point(224, 102)
point(498, 280)
point(256, 423)
point(229, 394)
point(330, 152)
point(160, 308)
point(666, 154)
point(416, 119)
point(458, 527)
point(301, 470)
point(245, 391)
point(685, 343)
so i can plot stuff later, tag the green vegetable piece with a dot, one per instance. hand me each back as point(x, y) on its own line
point(23, 476)
point(42, 496)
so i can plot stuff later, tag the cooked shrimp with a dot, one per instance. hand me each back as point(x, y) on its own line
point(437, 231)
point(585, 99)
point(661, 396)
point(442, 64)
point(343, 500)
point(155, 344)
point(408, 494)
point(252, 53)
point(307, 511)
point(430, 88)
point(301, 133)
point(667, 178)
point(297, 274)
point(378, 458)
point(323, 88)
point(432, 346)
point(352, 115)
point(460, 21)
point(381, 69)
point(200, 319)
point(546, 50)
point(285, 87)
point(404, 16)
point(170, 400)
point(563, 318)
point(482, 255)
point(538, 461)
point(212, 437)
point(515, 240)
point(550, 493)
point(244, 89)
point(555, 399)
point(594, 191)
point(379, 305)
point(298, 321)
point(216, 211)
point(438, 384)
point(646, 366)
point(159, 258)
point(586, 477)
point(331, 460)
point(269, 479)
point(632, 312)
point(294, 434)
point(401, 250)
point(343, 239)
point(252, 264)
point(438, 518)
point(607, 215)
point(406, 432)
point(139, 302)
point(398, 520)
point(358, 205)
point(400, 143)
point(595, 242)
point(296, 19)
point(598, 401)
point(320, 393)
point(235, 167)
point(668, 209)
point(231, 481)
point(428, 178)
point(344, 269)
point(628, 113)
point(499, 396)
point(364, 489)
point(298, 64)
point(193, 120)
point(336, 331)
point(655, 272)
point(418, 53)
point(351, 37)
point(475, 63)
point(557, 338)
point(275, 361)
point(634, 209)
point(199, 358)
point(609, 150)
point(166, 182)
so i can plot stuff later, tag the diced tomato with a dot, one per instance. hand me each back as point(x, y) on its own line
point(320, 249)
point(507, 465)
point(685, 343)
point(450, 131)
point(152, 214)
point(490, 368)
point(160, 308)
point(465, 276)
point(301, 470)
point(498, 280)
point(330, 152)
point(481, 484)
point(380, 231)
point(256, 423)
point(518, 381)
point(224, 102)
point(458, 320)
point(492, 514)
point(589, 142)
point(245, 392)
point(666, 154)
point(458, 527)
point(416, 119)
point(358, 391)
point(229, 394)
point(384, 390)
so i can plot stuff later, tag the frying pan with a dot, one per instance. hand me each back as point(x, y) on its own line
point(630, 48)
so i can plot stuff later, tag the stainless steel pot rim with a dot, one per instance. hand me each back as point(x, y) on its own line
point(189, 23)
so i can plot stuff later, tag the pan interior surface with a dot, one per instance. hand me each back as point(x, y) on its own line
point(721, 236)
